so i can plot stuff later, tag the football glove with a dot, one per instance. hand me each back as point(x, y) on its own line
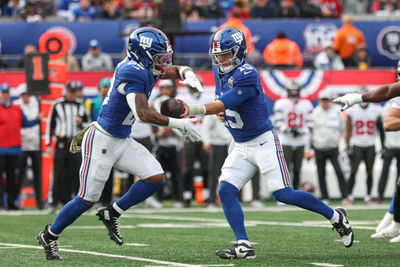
point(76, 142)
point(192, 81)
point(186, 128)
point(349, 100)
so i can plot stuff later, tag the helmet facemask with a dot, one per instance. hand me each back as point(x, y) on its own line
point(233, 62)
point(398, 72)
point(161, 62)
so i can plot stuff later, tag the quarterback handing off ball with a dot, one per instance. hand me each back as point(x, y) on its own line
point(172, 108)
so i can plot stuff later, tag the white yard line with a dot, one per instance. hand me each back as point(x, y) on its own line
point(326, 264)
point(168, 263)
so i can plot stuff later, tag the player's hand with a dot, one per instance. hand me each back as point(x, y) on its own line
point(192, 81)
point(40, 116)
point(186, 128)
point(187, 109)
point(349, 100)
point(221, 117)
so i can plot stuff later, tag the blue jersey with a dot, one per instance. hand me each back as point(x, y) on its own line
point(246, 111)
point(116, 117)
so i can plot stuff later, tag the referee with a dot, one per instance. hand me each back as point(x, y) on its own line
point(67, 117)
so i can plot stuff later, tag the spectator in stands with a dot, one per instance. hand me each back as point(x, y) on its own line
point(31, 13)
point(239, 10)
point(66, 118)
point(109, 10)
point(362, 121)
point(28, 49)
point(12, 8)
point(347, 39)
point(390, 151)
point(12, 119)
point(361, 58)
point(95, 59)
point(209, 9)
point(143, 10)
point(189, 11)
point(385, 7)
point(282, 52)
point(66, 7)
point(292, 120)
point(84, 12)
point(127, 10)
point(216, 139)
point(328, 124)
point(235, 21)
point(225, 5)
point(315, 9)
point(328, 59)
point(264, 9)
point(31, 144)
point(46, 7)
point(289, 9)
point(169, 146)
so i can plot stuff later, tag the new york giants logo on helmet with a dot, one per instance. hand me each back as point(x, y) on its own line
point(225, 42)
point(237, 37)
point(145, 42)
point(150, 47)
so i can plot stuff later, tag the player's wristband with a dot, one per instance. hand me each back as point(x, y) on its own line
point(174, 123)
point(182, 69)
point(197, 109)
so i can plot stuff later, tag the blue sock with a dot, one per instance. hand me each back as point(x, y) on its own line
point(68, 214)
point(232, 209)
point(303, 200)
point(391, 208)
point(138, 192)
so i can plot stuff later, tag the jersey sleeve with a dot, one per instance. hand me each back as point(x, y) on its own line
point(246, 77)
point(236, 96)
point(134, 78)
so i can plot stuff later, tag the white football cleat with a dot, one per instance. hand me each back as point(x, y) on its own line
point(385, 222)
point(389, 232)
point(395, 239)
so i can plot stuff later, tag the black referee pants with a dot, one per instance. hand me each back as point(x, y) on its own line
point(65, 173)
point(8, 165)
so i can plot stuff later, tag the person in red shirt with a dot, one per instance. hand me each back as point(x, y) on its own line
point(239, 7)
point(11, 121)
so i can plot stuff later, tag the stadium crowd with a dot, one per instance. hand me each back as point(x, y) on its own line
point(190, 10)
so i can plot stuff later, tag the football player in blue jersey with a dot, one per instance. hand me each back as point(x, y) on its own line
point(240, 104)
point(106, 143)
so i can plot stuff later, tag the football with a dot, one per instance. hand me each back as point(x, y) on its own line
point(172, 108)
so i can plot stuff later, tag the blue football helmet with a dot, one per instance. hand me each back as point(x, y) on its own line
point(228, 41)
point(150, 47)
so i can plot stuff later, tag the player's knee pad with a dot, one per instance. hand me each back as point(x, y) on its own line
point(227, 191)
point(285, 195)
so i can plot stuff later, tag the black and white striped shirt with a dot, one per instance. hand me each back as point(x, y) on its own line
point(62, 119)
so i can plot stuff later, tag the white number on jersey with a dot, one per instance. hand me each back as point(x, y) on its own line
point(130, 118)
point(234, 125)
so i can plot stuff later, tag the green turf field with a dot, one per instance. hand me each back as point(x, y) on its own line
point(281, 236)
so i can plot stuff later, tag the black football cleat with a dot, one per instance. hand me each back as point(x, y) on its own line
point(238, 251)
point(110, 220)
point(343, 228)
point(49, 243)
